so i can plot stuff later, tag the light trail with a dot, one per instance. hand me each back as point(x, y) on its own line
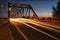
point(43, 26)
point(17, 20)
point(36, 23)
point(50, 25)
point(26, 20)
point(19, 30)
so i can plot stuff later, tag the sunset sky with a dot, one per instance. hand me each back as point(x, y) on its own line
point(41, 7)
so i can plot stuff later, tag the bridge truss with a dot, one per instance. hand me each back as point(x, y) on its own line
point(17, 10)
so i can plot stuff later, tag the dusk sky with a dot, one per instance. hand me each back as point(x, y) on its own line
point(41, 7)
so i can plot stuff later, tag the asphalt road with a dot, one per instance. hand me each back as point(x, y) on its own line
point(5, 32)
point(33, 30)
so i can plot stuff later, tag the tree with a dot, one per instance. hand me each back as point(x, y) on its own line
point(43, 18)
point(56, 11)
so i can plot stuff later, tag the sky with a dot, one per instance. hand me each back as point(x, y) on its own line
point(41, 7)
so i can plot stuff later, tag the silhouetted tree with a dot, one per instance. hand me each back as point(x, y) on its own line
point(56, 11)
point(43, 18)
point(49, 18)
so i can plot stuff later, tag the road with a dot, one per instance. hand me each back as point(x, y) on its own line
point(5, 33)
point(26, 29)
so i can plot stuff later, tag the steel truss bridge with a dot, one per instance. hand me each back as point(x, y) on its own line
point(23, 27)
point(17, 10)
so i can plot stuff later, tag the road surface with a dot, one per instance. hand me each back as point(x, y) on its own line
point(26, 29)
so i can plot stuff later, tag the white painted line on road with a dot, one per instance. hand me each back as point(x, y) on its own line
point(20, 32)
point(49, 28)
point(20, 21)
point(11, 34)
point(40, 31)
point(38, 22)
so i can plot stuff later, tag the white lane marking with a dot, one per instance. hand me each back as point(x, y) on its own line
point(40, 31)
point(17, 20)
point(43, 26)
point(38, 22)
point(20, 32)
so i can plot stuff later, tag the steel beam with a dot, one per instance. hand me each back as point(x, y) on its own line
point(21, 11)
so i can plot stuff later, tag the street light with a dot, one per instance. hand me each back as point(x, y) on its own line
point(9, 9)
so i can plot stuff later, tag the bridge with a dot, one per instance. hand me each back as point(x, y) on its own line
point(17, 10)
point(24, 24)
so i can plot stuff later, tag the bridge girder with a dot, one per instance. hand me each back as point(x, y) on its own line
point(22, 6)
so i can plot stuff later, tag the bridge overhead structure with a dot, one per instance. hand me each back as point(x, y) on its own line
point(17, 10)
